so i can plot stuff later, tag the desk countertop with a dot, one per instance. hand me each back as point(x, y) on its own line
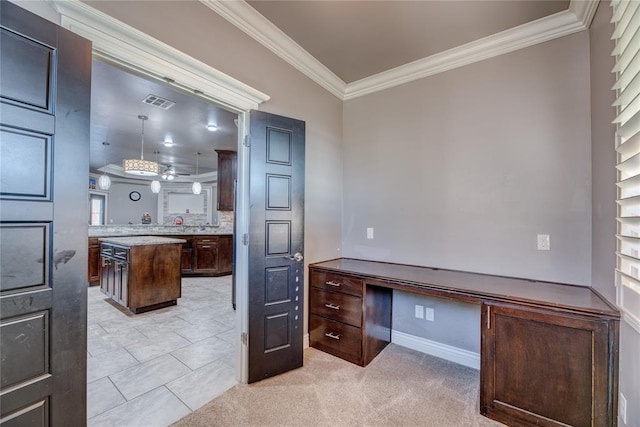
point(476, 286)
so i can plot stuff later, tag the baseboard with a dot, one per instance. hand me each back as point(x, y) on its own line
point(443, 351)
point(305, 341)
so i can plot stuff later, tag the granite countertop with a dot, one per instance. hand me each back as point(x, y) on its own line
point(156, 229)
point(141, 240)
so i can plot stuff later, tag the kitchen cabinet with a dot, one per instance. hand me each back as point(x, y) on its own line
point(227, 166)
point(186, 259)
point(202, 255)
point(205, 254)
point(141, 273)
point(93, 273)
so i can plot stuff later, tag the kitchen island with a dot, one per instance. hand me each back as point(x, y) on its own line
point(141, 273)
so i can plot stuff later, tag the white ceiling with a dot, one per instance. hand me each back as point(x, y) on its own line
point(116, 103)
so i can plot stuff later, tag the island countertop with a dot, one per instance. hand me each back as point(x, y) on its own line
point(155, 229)
point(141, 240)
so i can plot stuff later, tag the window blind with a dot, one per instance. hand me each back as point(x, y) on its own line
point(626, 18)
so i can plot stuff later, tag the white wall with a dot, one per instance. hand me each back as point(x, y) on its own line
point(122, 210)
point(463, 169)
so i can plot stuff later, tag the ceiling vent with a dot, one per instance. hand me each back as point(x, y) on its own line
point(157, 101)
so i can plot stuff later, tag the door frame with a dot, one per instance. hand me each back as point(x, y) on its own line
point(126, 47)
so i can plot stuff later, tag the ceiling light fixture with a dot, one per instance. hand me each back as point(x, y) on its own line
point(104, 182)
point(169, 174)
point(196, 187)
point(141, 166)
point(168, 142)
point(155, 184)
point(212, 128)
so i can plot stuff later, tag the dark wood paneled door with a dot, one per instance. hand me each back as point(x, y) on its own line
point(276, 247)
point(44, 167)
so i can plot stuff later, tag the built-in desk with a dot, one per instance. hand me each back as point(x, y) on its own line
point(549, 351)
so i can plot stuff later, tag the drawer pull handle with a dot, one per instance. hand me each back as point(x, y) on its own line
point(205, 247)
point(332, 335)
point(332, 306)
point(331, 283)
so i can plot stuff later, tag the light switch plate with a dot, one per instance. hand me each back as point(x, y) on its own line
point(544, 242)
point(419, 312)
point(370, 233)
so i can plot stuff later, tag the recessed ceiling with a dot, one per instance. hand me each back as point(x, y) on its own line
point(117, 99)
point(357, 39)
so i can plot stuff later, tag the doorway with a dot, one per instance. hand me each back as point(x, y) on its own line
point(165, 363)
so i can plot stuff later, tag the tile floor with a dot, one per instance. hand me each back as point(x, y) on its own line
point(152, 369)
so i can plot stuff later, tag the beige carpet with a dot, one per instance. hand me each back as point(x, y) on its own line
point(401, 387)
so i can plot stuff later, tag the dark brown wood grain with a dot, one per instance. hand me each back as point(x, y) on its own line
point(346, 342)
point(139, 277)
point(226, 177)
point(224, 262)
point(376, 333)
point(336, 306)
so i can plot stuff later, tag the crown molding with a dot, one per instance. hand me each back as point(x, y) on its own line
point(251, 22)
point(548, 28)
point(584, 10)
point(121, 44)
point(239, 13)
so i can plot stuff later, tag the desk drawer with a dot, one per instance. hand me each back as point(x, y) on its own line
point(336, 306)
point(337, 282)
point(341, 340)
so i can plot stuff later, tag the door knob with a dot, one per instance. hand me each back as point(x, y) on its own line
point(296, 257)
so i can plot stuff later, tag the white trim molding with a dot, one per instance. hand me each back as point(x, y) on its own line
point(443, 351)
point(121, 44)
point(251, 22)
point(576, 18)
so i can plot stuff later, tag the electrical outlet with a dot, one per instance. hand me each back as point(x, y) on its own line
point(622, 408)
point(369, 233)
point(544, 242)
point(419, 312)
point(429, 314)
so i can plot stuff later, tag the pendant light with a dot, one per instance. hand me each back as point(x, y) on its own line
point(155, 184)
point(141, 166)
point(104, 182)
point(196, 187)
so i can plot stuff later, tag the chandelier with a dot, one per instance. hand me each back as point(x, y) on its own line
point(141, 166)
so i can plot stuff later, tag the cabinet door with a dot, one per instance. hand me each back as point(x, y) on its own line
point(104, 275)
point(226, 179)
point(225, 254)
point(187, 259)
point(121, 283)
point(206, 257)
point(546, 368)
point(94, 261)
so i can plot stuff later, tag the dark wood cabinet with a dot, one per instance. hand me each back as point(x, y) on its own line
point(141, 277)
point(346, 318)
point(93, 273)
point(205, 254)
point(186, 259)
point(544, 367)
point(202, 255)
point(227, 161)
point(225, 254)
point(549, 351)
